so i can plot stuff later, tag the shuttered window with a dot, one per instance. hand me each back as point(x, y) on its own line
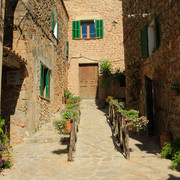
point(67, 49)
point(45, 82)
point(144, 42)
point(87, 29)
point(99, 28)
point(54, 26)
point(76, 29)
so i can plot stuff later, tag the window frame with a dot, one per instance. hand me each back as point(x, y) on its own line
point(54, 26)
point(77, 28)
point(45, 74)
point(147, 51)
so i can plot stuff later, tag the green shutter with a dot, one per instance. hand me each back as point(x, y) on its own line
point(156, 32)
point(41, 80)
point(67, 49)
point(144, 42)
point(57, 30)
point(76, 29)
point(48, 84)
point(99, 28)
point(52, 21)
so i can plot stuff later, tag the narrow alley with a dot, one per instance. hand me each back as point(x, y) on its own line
point(96, 156)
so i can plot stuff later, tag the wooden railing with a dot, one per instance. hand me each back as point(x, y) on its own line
point(73, 134)
point(117, 121)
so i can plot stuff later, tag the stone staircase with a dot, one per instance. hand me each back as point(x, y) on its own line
point(46, 134)
point(89, 103)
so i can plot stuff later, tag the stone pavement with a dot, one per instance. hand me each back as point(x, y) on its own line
point(97, 156)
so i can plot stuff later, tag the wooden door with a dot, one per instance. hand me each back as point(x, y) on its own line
point(149, 104)
point(88, 81)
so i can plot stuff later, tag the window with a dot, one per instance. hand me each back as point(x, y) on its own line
point(67, 49)
point(54, 26)
point(87, 29)
point(45, 82)
point(149, 38)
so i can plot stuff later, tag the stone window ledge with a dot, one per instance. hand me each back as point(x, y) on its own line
point(86, 38)
point(44, 98)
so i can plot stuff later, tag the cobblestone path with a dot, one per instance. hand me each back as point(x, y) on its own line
point(96, 157)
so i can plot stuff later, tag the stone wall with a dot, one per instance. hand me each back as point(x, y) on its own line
point(95, 50)
point(162, 67)
point(33, 43)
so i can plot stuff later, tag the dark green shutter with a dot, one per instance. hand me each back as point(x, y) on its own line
point(48, 84)
point(52, 21)
point(41, 80)
point(57, 30)
point(144, 42)
point(67, 49)
point(99, 28)
point(76, 29)
point(156, 32)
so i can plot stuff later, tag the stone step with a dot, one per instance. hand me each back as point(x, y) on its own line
point(89, 103)
point(46, 134)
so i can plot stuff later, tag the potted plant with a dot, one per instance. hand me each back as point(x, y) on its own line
point(174, 89)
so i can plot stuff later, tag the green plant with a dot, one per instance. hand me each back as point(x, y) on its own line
point(119, 77)
point(61, 126)
point(176, 161)
point(174, 86)
point(38, 128)
point(115, 102)
point(131, 114)
point(170, 149)
point(133, 121)
point(5, 147)
point(67, 115)
point(106, 75)
point(67, 94)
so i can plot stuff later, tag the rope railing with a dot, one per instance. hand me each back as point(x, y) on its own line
point(117, 121)
point(73, 134)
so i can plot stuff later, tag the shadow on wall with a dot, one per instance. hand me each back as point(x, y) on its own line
point(9, 22)
point(12, 80)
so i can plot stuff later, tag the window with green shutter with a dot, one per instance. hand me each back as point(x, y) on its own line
point(99, 28)
point(76, 29)
point(67, 49)
point(149, 38)
point(144, 42)
point(54, 26)
point(87, 29)
point(45, 82)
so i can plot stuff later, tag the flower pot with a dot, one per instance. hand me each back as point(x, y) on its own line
point(5, 157)
point(68, 125)
point(174, 92)
point(164, 137)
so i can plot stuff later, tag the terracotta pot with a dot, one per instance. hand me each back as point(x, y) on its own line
point(68, 125)
point(5, 157)
point(164, 137)
point(174, 92)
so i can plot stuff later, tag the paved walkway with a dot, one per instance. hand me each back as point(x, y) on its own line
point(96, 157)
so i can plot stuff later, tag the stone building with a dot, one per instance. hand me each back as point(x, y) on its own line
point(152, 60)
point(35, 65)
point(95, 35)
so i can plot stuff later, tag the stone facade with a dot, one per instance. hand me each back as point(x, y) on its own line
point(162, 66)
point(28, 42)
point(95, 50)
